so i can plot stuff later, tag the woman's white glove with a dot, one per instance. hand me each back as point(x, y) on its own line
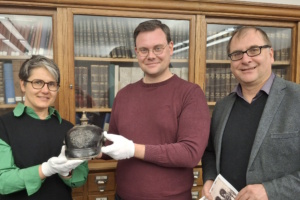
point(60, 164)
point(121, 148)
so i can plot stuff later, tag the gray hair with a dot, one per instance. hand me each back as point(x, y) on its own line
point(37, 61)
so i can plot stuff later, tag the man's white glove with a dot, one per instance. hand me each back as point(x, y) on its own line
point(60, 164)
point(121, 148)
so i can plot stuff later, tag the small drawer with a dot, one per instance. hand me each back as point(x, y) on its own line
point(102, 197)
point(196, 192)
point(77, 198)
point(197, 177)
point(101, 182)
point(77, 190)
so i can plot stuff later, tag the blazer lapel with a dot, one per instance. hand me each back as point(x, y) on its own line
point(223, 121)
point(273, 102)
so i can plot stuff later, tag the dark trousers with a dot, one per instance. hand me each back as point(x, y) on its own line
point(117, 197)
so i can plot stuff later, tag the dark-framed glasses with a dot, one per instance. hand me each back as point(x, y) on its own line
point(251, 52)
point(39, 84)
point(157, 50)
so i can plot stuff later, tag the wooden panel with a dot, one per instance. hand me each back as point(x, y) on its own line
point(297, 44)
point(200, 64)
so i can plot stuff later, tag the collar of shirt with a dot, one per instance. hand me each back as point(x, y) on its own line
point(20, 109)
point(265, 88)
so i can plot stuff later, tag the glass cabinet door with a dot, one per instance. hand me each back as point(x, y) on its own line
point(219, 79)
point(105, 60)
point(20, 37)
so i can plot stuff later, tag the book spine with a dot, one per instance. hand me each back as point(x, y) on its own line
point(2, 91)
point(207, 84)
point(88, 38)
point(111, 85)
point(9, 83)
point(125, 76)
point(16, 68)
point(95, 85)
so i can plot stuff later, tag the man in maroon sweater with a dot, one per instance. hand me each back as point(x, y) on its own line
point(159, 125)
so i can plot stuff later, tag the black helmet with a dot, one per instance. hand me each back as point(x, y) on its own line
point(83, 141)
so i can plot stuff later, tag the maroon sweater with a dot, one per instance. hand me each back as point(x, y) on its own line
point(172, 119)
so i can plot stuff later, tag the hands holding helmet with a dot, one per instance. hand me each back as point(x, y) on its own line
point(60, 165)
point(122, 148)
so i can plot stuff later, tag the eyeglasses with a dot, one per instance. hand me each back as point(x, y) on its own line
point(253, 51)
point(39, 84)
point(157, 50)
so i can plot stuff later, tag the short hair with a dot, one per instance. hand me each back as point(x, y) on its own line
point(243, 29)
point(152, 25)
point(37, 61)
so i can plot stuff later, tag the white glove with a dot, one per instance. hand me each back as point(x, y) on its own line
point(121, 148)
point(60, 164)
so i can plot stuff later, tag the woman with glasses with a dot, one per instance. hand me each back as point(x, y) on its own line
point(33, 163)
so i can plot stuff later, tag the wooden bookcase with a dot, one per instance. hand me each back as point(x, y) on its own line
point(204, 19)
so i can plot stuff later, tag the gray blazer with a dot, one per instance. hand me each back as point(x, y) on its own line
point(275, 156)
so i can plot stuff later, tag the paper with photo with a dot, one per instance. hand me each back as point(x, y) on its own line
point(221, 189)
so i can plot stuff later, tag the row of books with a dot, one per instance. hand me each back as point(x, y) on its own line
point(220, 81)
point(10, 91)
point(113, 37)
point(97, 85)
point(37, 39)
point(279, 38)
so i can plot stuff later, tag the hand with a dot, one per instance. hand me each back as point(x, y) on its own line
point(121, 148)
point(206, 187)
point(60, 164)
point(253, 192)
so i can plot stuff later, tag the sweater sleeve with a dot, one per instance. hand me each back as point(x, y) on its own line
point(13, 179)
point(79, 176)
point(192, 135)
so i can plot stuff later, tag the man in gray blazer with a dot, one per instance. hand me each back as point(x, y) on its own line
point(255, 131)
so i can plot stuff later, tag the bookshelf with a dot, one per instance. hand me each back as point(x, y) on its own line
point(21, 35)
point(105, 59)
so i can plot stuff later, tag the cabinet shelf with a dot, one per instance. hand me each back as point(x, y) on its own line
point(19, 57)
point(3, 106)
point(93, 109)
point(121, 59)
point(228, 62)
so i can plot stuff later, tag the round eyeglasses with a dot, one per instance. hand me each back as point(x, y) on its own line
point(251, 52)
point(39, 84)
point(157, 50)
